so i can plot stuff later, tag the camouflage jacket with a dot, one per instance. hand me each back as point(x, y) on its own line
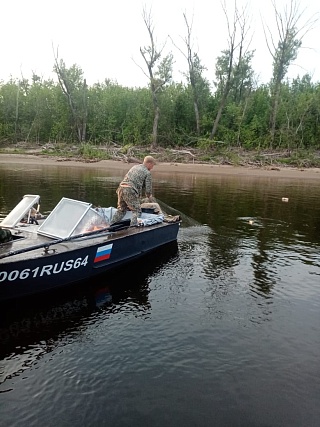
point(139, 177)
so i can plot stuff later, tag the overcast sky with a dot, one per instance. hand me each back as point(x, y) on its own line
point(103, 37)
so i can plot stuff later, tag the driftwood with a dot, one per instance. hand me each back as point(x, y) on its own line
point(183, 152)
point(124, 158)
point(271, 155)
point(129, 159)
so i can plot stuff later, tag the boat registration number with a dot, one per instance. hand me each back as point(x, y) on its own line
point(49, 269)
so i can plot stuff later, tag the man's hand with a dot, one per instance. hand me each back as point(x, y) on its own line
point(151, 199)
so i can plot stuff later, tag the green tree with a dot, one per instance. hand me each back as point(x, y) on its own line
point(159, 71)
point(40, 113)
point(284, 52)
point(9, 109)
point(195, 72)
point(233, 66)
point(75, 89)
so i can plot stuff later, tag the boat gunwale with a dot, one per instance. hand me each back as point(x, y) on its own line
point(68, 244)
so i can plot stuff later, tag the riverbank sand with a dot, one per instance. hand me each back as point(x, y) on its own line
point(185, 168)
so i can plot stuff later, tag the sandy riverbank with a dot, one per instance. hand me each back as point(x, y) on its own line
point(191, 168)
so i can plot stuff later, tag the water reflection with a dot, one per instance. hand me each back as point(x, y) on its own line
point(34, 326)
point(272, 246)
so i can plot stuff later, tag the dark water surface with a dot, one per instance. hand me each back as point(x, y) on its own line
point(220, 329)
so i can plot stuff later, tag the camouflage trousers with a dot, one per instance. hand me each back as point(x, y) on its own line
point(128, 199)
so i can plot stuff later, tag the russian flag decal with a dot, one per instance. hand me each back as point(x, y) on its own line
point(103, 252)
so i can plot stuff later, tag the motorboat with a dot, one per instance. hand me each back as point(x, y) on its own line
point(73, 243)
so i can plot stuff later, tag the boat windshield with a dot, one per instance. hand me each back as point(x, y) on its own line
point(21, 210)
point(71, 218)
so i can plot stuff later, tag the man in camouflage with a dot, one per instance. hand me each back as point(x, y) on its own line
point(130, 190)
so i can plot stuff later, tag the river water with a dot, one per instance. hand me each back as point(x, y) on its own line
point(220, 329)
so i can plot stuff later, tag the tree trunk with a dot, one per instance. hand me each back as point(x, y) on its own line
point(273, 117)
point(155, 127)
point(241, 121)
point(216, 121)
point(221, 107)
point(196, 112)
point(85, 112)
point(16, 116)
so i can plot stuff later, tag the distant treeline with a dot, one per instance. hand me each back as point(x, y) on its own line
point(235, 112)
point(41, 111)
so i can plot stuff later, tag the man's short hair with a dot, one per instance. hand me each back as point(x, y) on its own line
point(149, 159)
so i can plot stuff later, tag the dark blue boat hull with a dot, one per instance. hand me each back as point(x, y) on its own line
point(38, 274)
